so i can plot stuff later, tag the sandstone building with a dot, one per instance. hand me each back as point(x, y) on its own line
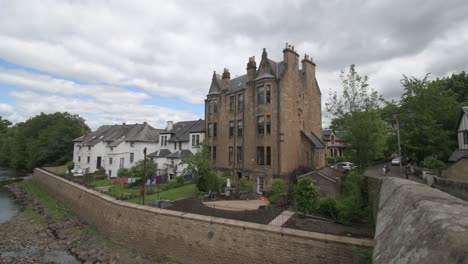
point(265, 123)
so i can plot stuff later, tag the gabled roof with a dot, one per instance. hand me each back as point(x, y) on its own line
point(180, 131)
point(180, 153)
point(116, 134)
point(313, 139)
point(458, 154)
point(464, 111)
point(160, 153)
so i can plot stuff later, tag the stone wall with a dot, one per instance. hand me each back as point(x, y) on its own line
point(452, 186)
point(419, 224)
point(190, 238)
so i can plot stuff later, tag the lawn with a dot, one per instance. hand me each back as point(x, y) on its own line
point(100, 183)
point(172, 194)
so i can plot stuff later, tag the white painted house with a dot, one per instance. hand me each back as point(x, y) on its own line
point(177, 140)
point(121, 146)
point(458, 161)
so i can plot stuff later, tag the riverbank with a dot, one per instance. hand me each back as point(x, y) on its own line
point(45, 231)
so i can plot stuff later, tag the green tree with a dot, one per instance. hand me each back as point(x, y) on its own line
point(199, 164)
point(356, 118)
point(244, 185)
point(137, 170)
point(306, 195)
point(4, 124)
point(46, 139)
point(278, 190)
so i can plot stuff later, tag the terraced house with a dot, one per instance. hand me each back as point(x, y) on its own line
point(113, 147)
point(265, 123)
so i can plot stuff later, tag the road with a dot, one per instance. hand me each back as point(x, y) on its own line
point(375, 171)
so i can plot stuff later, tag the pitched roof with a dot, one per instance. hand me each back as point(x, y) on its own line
point(180, 153)
point(180, 131)
point(314, 139)
point(160, 153)
point(326, 133)
point(458, 154)
point(116, 134)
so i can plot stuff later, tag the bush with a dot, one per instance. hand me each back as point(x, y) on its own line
point(180, 180)
point(123, 173)
point(244, 185)
point(100, 171)
point(278, 191)
point(208, 182)
point(70, 165)
point(353, 204)
point(328, 207)
point(433, 164)
point(330, 160)
point(305, 195)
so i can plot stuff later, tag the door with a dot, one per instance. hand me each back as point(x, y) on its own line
point(260, 184)
point(98, 163)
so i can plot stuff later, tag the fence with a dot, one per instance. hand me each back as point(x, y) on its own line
point(273, 215)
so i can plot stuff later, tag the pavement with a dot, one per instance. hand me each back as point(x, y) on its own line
point(237, 205)
point(376, 171)
point(281, 219)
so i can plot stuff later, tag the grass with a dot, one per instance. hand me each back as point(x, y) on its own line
point(172, 194)
point(460, 196)
point(55, 209)
point(100, 183)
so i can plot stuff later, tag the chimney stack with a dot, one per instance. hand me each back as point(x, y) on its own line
point(291, 57)
point(251, 69)
point(225, 79)
point(308, 66)
point(169, 125)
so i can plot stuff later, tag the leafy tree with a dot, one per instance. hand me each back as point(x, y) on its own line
point(46, 139)
point(278, 190)
point(305, 195)
point(138, 169)
point(356, 118)
point(244, 185)
point(199, 164)
point(4, 124)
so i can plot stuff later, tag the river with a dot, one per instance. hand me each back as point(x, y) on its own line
point(8, 205)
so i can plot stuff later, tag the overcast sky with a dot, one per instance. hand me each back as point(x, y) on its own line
point(134, 61)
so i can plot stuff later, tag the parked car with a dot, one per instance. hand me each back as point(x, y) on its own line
point(396, 161)
point(344, 166)
point(77, 172)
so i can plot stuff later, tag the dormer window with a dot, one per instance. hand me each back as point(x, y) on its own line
point(332, 138)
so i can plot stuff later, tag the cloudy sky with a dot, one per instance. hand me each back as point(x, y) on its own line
point(134, 61)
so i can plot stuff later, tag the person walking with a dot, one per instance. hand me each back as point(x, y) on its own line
point(387, 168)
point(384, 170)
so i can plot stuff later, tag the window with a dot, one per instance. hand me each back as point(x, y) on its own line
point(268, 94)
point(79, 158)
point(231, 103)
point(163, 140)
point(260, 183)
point(132, 144)
point(231, 152)
point(268, 124)
point(175, 145)
point(210, 107)
point(110, 174)
point(110, 161)
point(89, 147)
point(239, 154)
point(210, 129)
point(88, 159)
point(214, 153)
point(122, 162)
point(260, 156)
point(240, 102)
point(215, 106)
point(180, 145)
point(79, 147)
point(195, 140)
point(231, 128)
point(260, 125)
point(268, 156)
point(215, 129)
point(132, 156)
point(239, 128)
point(111, 148)
point(465, 137)
point(260, 95)
point(332, 139)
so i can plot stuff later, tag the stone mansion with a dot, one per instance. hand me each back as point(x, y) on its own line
point(266, 123)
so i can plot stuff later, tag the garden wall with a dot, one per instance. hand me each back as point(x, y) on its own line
point(419, 224)
point(190, 238)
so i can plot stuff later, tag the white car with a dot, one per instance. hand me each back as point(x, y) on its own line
point(396, 161)
point(344, 166)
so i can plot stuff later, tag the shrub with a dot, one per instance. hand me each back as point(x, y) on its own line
point(70, 165)
point(433, 164)
point(123, 173)
point(208, 182)
point(330, 160)
point(353, 204)
point(305, 195)
point(278, 191)
point(100, 171)
point(328, 207)
point(244, 185)
point(180, 180)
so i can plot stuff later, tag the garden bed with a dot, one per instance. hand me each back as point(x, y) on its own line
point(196, 206)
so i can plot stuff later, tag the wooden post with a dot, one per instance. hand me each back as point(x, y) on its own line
point(144, 176)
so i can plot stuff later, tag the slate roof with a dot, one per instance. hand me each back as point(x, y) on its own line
point(314, 139)
point(326, 133)
point(180, 131)
point(180, 153)
point(160, 153)
point(458, 154)
point(328, 180)
point(116, 134)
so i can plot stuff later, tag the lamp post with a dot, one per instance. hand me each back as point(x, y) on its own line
point(395, 116)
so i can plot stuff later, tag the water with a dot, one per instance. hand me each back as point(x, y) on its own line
point(8, 205)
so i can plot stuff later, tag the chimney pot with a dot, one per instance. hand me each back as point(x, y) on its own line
point(169, 125)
